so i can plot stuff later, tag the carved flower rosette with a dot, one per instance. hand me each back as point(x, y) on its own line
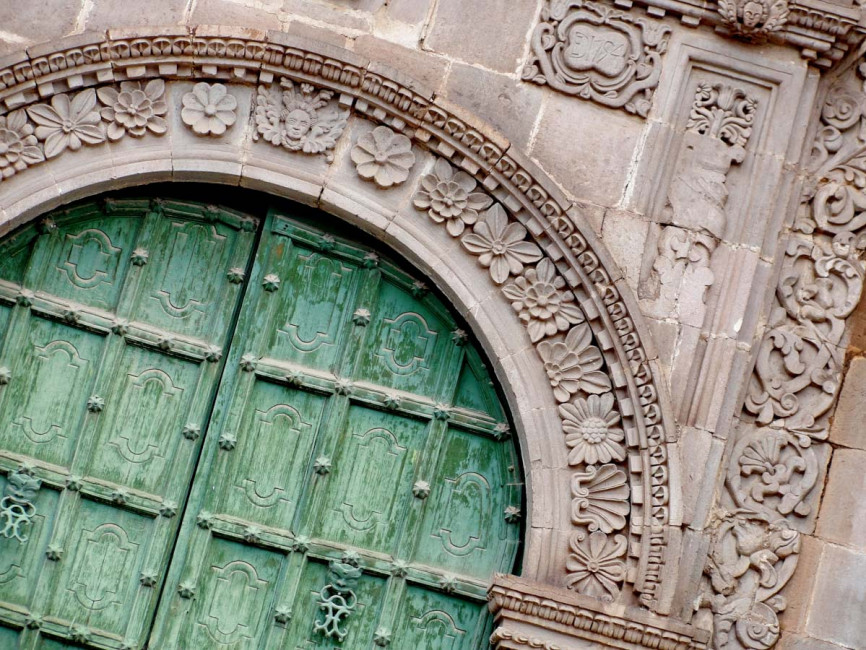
point(595, 52)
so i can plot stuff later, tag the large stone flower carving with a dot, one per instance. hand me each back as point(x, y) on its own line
point(66, 124)
point(209, 109)
point(596, 565)
point(134, 109)
point(448, 196)
point(500, 245)
point(18, 146)
point(538, 297)
point(590, 430)
point(600, 498)
point(574, 364)
point(383, 156)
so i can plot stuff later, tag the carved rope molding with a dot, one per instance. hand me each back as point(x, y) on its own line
point(58, 83)
point(773, 474)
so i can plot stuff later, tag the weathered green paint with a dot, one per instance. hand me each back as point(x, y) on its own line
point(277, 431)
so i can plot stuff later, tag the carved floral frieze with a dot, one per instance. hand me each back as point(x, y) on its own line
point(383, 156)
point(598, 53)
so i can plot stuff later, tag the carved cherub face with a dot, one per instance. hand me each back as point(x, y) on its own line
point(753, 14)
point(298, 123)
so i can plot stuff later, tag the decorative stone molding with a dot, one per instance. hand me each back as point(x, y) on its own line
point(775, 465)
point(589, 50)
point(821, 31)
point(533, 616)
point(755, 19)
point(572, 286)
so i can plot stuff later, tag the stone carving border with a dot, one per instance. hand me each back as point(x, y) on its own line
point(774, 473)
point(53, 84)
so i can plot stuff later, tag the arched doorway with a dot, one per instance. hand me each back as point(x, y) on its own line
point(223, 429)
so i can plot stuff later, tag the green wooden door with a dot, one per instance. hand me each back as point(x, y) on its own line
point(338, 478)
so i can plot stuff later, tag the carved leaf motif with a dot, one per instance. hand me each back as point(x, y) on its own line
point(600, 498)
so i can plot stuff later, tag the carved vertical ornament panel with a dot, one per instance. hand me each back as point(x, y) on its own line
point(779, 457)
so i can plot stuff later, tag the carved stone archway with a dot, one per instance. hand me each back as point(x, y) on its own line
point(320, 125)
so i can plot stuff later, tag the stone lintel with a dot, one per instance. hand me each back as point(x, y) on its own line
point(529, 614)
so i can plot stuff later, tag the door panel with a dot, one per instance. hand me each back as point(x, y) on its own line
point(301, 421)
point(103, 408)
point(355, 442)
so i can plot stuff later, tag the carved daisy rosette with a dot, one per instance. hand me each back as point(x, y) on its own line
point(449, 197)
point(574, 364)
point(209, 109)
point(500, 245)
point(541, 302)
point(134, 109)
point(383, 156)
point(590, 430)
point(68, 123)
point(596, 564)
point(19, 148)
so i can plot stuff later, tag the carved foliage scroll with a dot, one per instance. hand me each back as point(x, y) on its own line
point(598, 53)
point(774, 466)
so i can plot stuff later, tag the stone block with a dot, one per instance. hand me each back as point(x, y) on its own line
point(505, 102)
point(490, 33)
point(800, 589)
point(695, 449)
point(842, 517)
point(847, 428)
point(35, 21)
point(839, 599)
point(109, 13)
point(625, 234)
point(314, 32)
point(588, 149)
point(409, 11)
point(427, 68)
point(235, 12)
point(346, 15)
point(791, 642)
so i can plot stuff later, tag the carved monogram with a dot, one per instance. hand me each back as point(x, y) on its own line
point(595, 52)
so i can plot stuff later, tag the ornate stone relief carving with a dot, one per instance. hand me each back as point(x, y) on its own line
point(298, 118)
point(134, 108)
point(383, 157)
point(595, 52)
point(775, 462)
point(754, 18)
point(571, 306)
point(719, 125)
point(209, 109)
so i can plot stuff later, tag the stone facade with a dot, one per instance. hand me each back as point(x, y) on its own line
point(681, 183)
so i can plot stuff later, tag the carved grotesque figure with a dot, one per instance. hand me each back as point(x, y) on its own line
point(754, 14)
